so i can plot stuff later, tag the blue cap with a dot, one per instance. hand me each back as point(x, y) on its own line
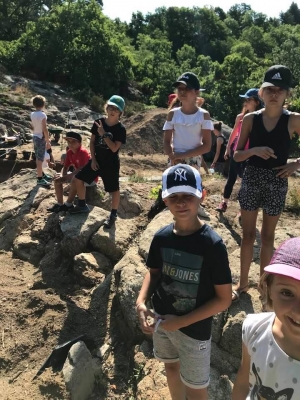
point(250, 93)
point(117, 101)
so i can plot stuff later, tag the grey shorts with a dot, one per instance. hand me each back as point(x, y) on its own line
point(192, 354)
point(39, 147)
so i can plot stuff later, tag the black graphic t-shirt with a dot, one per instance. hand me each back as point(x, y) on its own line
point(190, 267)
point(106, 158)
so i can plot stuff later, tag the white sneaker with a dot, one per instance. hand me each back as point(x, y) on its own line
point(202, 213)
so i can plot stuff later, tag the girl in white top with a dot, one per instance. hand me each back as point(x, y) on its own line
point(270, 367)
point(187, 131)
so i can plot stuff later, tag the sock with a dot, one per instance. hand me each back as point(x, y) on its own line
point(68, 204)
point(81, 203)
point(114, 212)
point(39, 178)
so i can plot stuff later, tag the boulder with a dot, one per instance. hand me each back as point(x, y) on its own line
point(79, 228)
point(162, 219)
point(79, 372)
point(114, 242)
point(28, 249)
point(87, 268)
point(129, 275)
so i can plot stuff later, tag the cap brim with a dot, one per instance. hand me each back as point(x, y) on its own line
point(278, 84)
point(284, 269)
point(110, 103)
point(244, 96)
point(181, 189)
point(67, 137)
point(175, 84)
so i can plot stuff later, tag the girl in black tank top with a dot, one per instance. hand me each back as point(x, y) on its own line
point(264, 183)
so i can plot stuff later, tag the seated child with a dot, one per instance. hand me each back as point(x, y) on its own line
point(76, 157)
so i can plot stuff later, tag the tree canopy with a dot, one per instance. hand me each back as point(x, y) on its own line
point(73, 42)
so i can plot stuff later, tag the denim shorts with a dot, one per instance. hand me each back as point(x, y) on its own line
point(192, 354)
point(39, 147)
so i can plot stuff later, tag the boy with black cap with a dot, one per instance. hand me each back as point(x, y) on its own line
point(77, 156)
point(189, 281)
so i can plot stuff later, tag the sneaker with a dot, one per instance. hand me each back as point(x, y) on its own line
point(47, 177)
point(111, 219)
point(43, 182)
point(222, 207)
point(79, 210)
point(55, 208)
point(202, 213)
point(64, 207)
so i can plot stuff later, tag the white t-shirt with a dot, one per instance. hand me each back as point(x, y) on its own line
point(273, 374)
point(46, 158)
point(187, 129)
point(36, 119)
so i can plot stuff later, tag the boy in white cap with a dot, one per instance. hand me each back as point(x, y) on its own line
point(189, 281)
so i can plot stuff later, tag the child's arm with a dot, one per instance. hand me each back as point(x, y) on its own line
point(233, 135)
point(241, 385)
point(46, 133)
point(168, 134)
point(220, 141)
point(240, 154)
point(149, 284)
point(290, 167)
point(220, 302)
point(94, 164)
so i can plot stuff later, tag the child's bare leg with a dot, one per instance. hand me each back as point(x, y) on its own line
point(176, 386)
point(196, 394)
point(39, 168)
point(115, 199)
point(58, 186)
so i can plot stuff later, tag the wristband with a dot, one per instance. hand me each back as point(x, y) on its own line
point(105, 135)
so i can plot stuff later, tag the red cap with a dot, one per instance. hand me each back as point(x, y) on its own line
point(171, 97)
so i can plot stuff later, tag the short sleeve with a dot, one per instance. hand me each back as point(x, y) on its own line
point(219, 264)
point(168, 125)
point(154, 259)
point(207, 124)
point(246, 328)
point(120, 136)
point(94, 129)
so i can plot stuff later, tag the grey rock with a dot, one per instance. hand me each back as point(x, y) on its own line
point(79, 372)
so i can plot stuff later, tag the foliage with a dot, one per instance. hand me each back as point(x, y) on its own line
point(137, 178)
point(154, 192)
point(293, 199)
point(72, 42)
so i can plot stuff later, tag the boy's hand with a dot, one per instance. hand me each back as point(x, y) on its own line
point(147, 319)
point(48, 145)
point(100, 129)
point(94, 165)
point(171, 323)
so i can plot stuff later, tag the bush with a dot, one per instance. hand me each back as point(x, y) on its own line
point(97, 103)
point(137, 178)
point(293, 203)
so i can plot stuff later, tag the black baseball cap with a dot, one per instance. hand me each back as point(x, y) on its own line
point(189, 79)
point(73, 135)
point(181, 178)
point(278, 75)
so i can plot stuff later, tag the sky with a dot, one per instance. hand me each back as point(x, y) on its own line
point(123, 9)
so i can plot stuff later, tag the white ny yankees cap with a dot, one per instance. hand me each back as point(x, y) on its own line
point(181, 178)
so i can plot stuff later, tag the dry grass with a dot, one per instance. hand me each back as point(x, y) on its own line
point(293, 198)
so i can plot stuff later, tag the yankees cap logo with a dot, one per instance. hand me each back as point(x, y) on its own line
point(180, 173)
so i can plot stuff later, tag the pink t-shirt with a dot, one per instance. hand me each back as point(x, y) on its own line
point(236, 140)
